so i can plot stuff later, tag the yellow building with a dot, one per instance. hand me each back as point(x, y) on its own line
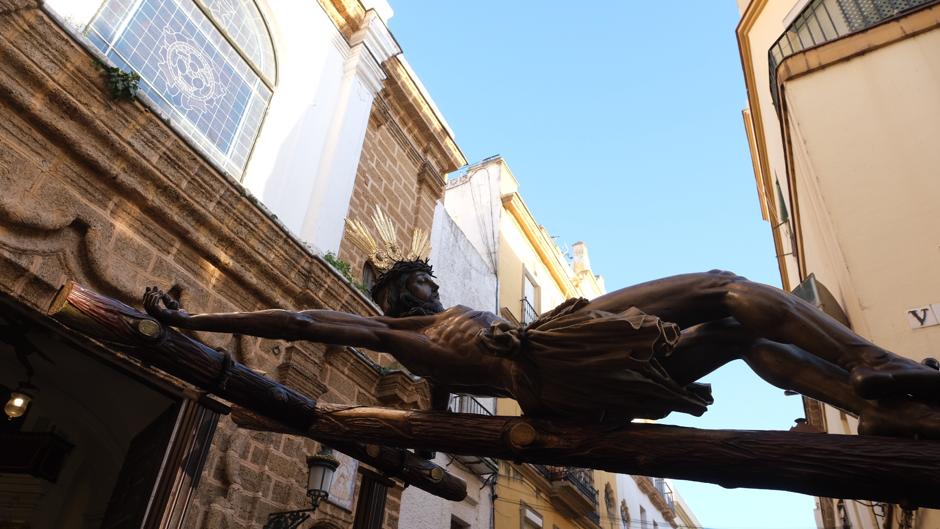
point(842, 120)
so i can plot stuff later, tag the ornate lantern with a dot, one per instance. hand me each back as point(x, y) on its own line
point(320, 470)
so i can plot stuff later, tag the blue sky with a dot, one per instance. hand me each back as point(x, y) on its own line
point(622, 122)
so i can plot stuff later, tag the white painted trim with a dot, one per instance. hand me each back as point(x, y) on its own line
point(531, 517)
point(366, 68)
point(377, 38)
point(341, 45)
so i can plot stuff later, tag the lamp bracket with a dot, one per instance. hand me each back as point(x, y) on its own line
point(287, 519)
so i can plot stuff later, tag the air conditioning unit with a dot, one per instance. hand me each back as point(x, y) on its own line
point(816, 293)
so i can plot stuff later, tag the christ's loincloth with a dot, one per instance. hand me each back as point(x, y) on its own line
point(594, 365)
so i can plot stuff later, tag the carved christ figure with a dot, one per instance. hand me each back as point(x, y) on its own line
point(632, 353)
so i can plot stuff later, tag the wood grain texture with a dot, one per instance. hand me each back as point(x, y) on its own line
point(894, 470)
point(393, 462)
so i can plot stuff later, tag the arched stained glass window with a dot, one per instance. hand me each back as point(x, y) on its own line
point(242, 22)
point(210, 66)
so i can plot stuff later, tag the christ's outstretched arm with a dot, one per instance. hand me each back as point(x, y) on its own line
point(396, 336)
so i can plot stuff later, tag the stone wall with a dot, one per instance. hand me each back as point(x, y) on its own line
point(407, 153)
point(392, 171)
point(106, 194)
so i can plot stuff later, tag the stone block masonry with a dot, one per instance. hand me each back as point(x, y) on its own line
point(106, 194)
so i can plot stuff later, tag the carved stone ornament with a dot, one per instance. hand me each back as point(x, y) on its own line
point(609, 499)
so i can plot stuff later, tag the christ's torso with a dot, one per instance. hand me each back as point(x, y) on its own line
point(467, 365)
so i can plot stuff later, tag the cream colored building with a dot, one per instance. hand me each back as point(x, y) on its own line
point(842, 120)
point(535, 275)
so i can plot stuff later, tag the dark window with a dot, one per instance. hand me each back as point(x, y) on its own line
point(370, 508)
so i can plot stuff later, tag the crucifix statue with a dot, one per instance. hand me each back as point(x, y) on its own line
point(636, 352)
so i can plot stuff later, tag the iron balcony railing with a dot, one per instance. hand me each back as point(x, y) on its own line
point(579, 477)
point(460, 403)
point(666, 492)
point(528, 312)
point(467, 404)
point(822, 21)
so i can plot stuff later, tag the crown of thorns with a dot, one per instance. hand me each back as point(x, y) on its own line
point(399, 269)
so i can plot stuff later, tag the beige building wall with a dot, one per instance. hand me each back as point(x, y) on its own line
point(762, 23)
point(527, 252)
point(869, 126)
point(852, 145)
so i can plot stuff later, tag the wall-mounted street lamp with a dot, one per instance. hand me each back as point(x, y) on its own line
point(19, 401)
point(321, 468)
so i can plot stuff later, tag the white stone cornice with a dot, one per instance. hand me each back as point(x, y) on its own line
point(366, 68)
point(376, 36)
point(341, 45)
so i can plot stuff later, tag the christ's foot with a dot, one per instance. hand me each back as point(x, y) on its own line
point(890, 375)
point(902, 418)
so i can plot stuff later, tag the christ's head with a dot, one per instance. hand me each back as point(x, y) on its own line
point(408, 289)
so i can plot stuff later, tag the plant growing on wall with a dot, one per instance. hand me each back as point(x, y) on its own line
point(122, 85)
point(345, 270)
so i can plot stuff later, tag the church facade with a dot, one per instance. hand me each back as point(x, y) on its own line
point(257, 128)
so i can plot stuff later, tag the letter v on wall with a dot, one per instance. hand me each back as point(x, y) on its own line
point(925, 316)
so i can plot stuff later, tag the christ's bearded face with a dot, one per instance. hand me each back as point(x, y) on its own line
point(408, 289)
point(424, 290)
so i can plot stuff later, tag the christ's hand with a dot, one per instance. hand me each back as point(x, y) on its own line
point(164, 308)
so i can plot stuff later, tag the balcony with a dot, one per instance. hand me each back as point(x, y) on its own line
point(573, 488)
point(468, 404)
point(660, 495)
point(665, 492)
point(822, 21)
point(529, 313)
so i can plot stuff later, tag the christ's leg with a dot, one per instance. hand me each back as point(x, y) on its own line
point(789, 367)
point(771, 313)
point(706, 347)
point(781, 317)
point(686, 300)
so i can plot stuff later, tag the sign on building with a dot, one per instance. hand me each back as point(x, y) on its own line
point(925, 316)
